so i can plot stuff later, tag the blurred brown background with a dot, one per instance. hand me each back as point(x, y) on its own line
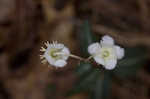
point(26, 24)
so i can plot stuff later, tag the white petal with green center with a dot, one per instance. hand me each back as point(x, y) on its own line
point(106, 53)
point(56, 54)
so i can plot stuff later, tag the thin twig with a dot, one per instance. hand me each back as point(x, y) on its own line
point(77, 57)
point(90, 57)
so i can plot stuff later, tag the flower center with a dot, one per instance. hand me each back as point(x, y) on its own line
point(53, 53)
point(105, 54)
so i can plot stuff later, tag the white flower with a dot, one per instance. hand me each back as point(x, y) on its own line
point(55, 54)
point(106, 52)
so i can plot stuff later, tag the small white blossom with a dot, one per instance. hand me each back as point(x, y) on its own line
point(106, 52)
point(55, 54)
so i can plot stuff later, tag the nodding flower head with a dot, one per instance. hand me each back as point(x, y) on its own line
point(55, 54)
point(106, 52)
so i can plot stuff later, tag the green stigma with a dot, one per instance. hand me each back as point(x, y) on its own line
point(53, 52)
point(105, 54)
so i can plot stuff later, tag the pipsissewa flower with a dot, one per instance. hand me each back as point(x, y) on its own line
point(55, 54)
point(106, 52)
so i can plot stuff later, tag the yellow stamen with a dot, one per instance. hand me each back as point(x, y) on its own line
point(44, 61)
point(42, 49)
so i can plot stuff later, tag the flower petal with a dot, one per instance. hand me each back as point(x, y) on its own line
point(107, 40)
point(66, 51)
point(119, 52)
point(49, 59)
point(58, 45)
point(60, 63)
point(93, 48)
point(110, 64)
point(99, 60)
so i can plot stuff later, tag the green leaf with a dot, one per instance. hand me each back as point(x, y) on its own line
point(91, 79)
point(86, 81)
point(50, 90)
point(87, 75)
point(83, 68)
point(102, 88)
point(134, 59)
point(85, 37)
point(107, 83)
